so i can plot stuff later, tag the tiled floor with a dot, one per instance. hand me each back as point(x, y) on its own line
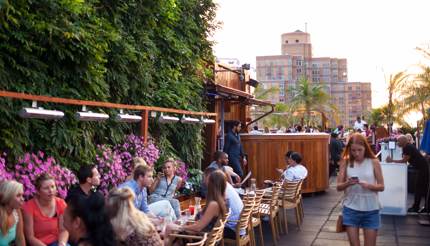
point(318, 228)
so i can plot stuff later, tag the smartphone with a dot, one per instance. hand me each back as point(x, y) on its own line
point(354, 178)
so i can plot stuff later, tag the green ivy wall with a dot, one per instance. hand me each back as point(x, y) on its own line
point(123, 51)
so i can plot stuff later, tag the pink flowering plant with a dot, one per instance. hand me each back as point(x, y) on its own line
point(181, 170)
point(194, 181)
point(109, 165)
point(134, 146)
point(31, 165)
point(4, 173)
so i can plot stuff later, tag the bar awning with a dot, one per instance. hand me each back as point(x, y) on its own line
point(226, 91)
point(232, 94)
point(253, 101)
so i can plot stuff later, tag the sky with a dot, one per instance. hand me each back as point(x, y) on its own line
point(377, 37)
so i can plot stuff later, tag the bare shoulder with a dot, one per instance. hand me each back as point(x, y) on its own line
point(213, 204)
point(376, 162)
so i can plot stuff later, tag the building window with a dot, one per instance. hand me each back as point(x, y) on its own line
point(286, 41)
point(297, 40)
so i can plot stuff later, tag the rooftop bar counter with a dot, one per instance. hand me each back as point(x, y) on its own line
point(267, 152)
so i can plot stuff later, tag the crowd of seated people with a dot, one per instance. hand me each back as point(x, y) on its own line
point(128, 215)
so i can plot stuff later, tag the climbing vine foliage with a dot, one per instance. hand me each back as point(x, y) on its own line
point(123, 51)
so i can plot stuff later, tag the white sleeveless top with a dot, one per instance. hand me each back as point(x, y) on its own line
point(356, 197)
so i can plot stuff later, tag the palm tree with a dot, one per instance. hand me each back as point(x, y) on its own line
point(380, 116)
point(309, 97)
point(282, 115)
point(264, 94)
point(417, 94)
point(395, 84)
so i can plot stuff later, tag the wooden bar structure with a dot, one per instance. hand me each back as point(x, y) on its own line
point(267, 152)
point(229, 96)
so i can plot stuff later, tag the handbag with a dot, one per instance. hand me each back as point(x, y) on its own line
point(339, 224)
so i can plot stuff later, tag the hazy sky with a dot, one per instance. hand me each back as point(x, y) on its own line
point(377, 37)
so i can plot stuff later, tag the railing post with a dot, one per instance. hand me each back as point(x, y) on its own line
point(144, 126)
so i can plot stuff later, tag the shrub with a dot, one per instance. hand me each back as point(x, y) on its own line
point(31, 165)
point(110, 167)
point(182, 170)
point(134, 146)
point(4, 173)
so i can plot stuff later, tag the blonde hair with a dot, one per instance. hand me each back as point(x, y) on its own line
point(139, 161)
point(171, 160)
point(410, 138)
point(125, 217)
point(8, 191)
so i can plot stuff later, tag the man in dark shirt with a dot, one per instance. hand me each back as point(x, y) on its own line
point(233, 147)
point(412, 155)
point(89, 180)
point(336, 148)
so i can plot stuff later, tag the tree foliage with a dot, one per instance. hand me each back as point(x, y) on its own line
point(132, 52)
point(307, 97)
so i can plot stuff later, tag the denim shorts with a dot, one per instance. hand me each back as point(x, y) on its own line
point(361, 219)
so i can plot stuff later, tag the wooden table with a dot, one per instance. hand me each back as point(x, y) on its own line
point(267, 152)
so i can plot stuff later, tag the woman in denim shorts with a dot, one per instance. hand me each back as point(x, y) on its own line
point(360, 177)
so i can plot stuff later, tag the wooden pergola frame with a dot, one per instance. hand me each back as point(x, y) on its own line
point(145, 109)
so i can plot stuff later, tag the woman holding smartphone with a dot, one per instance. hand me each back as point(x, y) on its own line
point(165, 186)
point(360, 177)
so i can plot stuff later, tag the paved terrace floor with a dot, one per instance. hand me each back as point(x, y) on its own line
point(319, 224)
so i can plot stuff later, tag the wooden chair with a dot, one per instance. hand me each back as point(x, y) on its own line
point(201, 242)
point(302, 213)
point(255, 217)
point(214, 236)
point(269, 207)
point(243, 224)
point(291, 199)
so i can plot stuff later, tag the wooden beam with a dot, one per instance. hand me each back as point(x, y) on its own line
point(30, 97)
point(144, 126)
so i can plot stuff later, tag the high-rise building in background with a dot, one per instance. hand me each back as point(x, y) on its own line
point(283, 71)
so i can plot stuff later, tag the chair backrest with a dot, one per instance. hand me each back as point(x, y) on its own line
point(216, 233)
point(275, 195)
point(291, 190)
point(201, 242)
point(259, 194)
point(226, 216)
point(245, 216)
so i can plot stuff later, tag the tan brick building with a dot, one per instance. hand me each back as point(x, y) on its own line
point(295, 61)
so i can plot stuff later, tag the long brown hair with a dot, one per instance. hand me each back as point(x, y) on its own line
point(359, 139)
point(217, 184)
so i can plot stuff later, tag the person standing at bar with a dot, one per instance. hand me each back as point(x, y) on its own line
point(233, 147)
point(412, 155)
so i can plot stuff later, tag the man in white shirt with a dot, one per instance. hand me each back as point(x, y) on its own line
point(255, 131)
point(295, 170)
point(359, 124)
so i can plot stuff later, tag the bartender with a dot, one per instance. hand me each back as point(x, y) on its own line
point(412, 155)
